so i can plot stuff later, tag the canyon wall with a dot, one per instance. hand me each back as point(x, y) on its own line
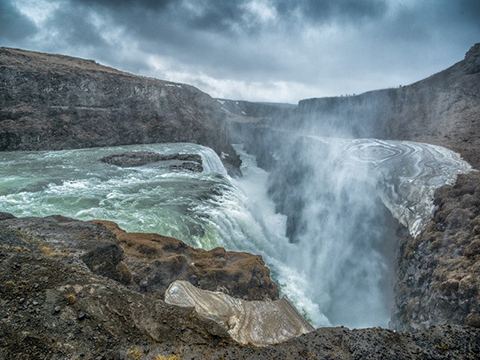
point(443, 109)
point(52, 102)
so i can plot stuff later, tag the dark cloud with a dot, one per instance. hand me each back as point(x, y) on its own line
point(269, 49)
point(13, 25)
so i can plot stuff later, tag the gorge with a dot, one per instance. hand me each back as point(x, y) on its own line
point(360, 222)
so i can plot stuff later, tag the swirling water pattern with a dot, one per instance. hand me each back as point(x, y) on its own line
point(406, 174)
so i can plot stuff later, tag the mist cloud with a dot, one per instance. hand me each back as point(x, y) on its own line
point(266, 50)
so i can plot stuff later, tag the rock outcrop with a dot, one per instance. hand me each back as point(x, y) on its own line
point(192, 162)
point(156, 261)
point(52, 102)
point(248, 322)
point(145, 262)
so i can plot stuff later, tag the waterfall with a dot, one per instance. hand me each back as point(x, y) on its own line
point(211, 161)
point(321, 219)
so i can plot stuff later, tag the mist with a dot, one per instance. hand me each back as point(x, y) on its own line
point(348, 200)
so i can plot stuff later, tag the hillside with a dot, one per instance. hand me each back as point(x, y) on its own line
point(60, 102)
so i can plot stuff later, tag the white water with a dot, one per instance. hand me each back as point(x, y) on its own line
point(333, 277)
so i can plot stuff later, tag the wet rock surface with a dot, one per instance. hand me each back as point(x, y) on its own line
point(156, 261)
point(191, 162)
point(258, 323)
point(147, 262)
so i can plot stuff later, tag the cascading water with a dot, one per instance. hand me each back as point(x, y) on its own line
point(333, 265)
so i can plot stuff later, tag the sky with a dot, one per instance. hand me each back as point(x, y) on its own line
point(257, 50)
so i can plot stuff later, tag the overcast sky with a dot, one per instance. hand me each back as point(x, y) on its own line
point(259, 50)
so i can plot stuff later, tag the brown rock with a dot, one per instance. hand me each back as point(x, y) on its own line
point(156, 261)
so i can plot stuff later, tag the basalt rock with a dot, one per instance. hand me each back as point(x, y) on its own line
point(191, 162)
point(147, 262)
point(53, 306)
point(53, 309)
point(439, 270)
point(82, 242)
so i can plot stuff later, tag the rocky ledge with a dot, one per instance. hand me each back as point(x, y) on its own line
point(144, 262)
point(191, 162)
point(439, 270)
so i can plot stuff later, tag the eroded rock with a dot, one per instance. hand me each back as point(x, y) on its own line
point(156, 261)
point(248, 322)
point(192, 162)
point(438, 271)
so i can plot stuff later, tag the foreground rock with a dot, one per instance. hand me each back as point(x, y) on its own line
point(248, 322)
point(53, 306)
point(53, 102)
point(146, 262)
point(156, 261)
point(192, 162)
point(55, 310)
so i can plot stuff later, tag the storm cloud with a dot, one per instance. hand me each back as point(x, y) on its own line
point(260, 50)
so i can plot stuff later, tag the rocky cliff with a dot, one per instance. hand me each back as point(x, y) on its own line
point(145, 262)
point(58, 302)
point(439, 270)
point(60, 102)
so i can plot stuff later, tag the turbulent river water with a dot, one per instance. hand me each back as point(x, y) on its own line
point(210, 209)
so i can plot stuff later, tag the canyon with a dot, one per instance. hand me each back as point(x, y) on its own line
point(367, 193)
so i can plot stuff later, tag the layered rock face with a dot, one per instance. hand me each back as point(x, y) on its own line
point(60, 102)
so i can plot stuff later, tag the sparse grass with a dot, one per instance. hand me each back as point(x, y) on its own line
point(48, 251)
point(171, 357)
point(135, 353)
point(70, 298)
